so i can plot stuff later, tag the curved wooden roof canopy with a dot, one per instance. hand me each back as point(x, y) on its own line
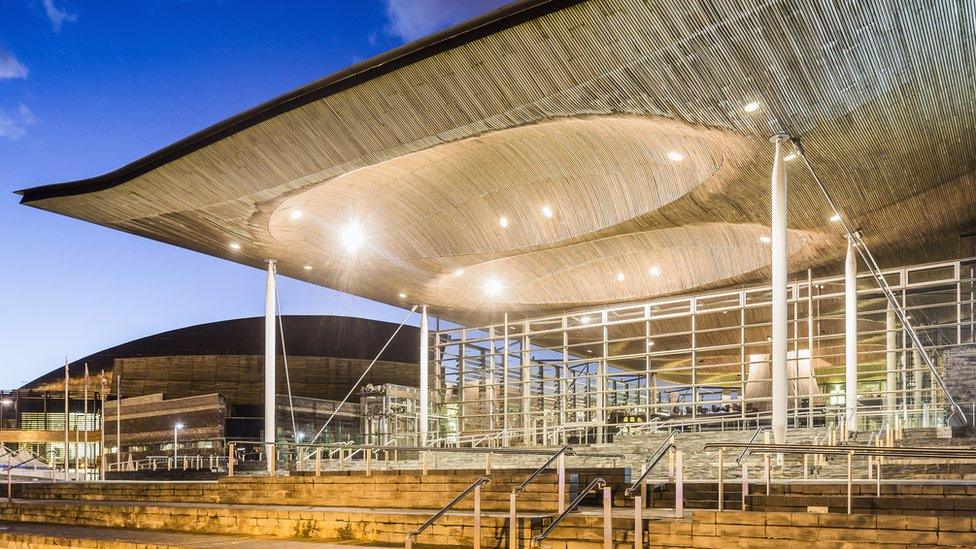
point(584, 107)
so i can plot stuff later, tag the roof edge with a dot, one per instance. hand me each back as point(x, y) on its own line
point(492, 22)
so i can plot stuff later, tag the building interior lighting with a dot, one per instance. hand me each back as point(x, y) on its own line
point(352, 237)
point(585, 319)
point(493, 287)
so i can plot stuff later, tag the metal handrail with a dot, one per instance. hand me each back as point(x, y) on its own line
point(666, 444)
point(568, 450)
point(595, 483)
point(434, 449)
point(745, 451)
point(483, 480)
point(901, 451)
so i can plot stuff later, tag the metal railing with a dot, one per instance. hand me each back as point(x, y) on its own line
point(745, 451)
point(666, 445)
point(559, 456)
point(607, 500)
point(474, 487)
point(941, 453)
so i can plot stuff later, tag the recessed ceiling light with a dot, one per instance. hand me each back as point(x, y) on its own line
point(765, 239)
point(676, 156)
point(547, 212)
point(751, 107)
point(402, 295)
point(296, 214)
point(835, 218)
point(235, 246)
point(352, 237)
point(655, 270)
point(503, 222)
point(585, 319)
point(493, 287)
point(789, 157)
point(307, 267)
point(458, 272)
point(621, 277)
point(768, 338)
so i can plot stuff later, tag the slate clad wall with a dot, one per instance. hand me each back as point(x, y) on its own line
point(150, 419)
point(960, 373)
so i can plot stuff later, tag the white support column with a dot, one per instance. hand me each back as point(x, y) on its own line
point(425, 375)
point(850, 335)
point(270, 429)
point(891, 359)
point(779, 312)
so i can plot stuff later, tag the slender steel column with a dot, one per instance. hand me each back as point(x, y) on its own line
point(67, 379)
point(270, 430)
point(850, 334)
point(891, 358)
point(424, 375)
point(779, 312)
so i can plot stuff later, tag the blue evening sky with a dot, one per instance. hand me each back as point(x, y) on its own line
point(86, 87)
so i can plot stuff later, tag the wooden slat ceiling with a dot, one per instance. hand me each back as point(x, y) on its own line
point(578, 108)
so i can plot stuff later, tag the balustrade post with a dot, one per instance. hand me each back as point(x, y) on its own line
point(230, 459)
point(721, 479)
point(512, 522)
point(318, 461)
point(745, 485)
point(477, 517)
point(850, 480)
point(638, 523)
point(607, 519)
point(561, 479)
point(679, 487)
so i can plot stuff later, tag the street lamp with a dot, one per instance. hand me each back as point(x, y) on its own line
point(176, 430)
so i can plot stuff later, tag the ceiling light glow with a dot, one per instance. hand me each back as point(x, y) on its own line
point(751, 107)
point(621, 277)
point(352, 237)
point(503, 222)
point(402, 295)
point(296, 215)
point(307, 267)
point(235, 246)
point(458, 272)
point(585, 319)
point(765, 239)
point(835, 218)
point(493, 287)
point(789, 157)
point(547, 212)
point(676, 156)
point(655, 270)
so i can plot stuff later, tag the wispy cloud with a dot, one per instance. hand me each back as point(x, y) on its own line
point(412, 19)
point(57, 16)
point(10, 67)
point(13, 125)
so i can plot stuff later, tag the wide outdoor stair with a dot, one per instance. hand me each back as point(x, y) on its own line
point(387, 489)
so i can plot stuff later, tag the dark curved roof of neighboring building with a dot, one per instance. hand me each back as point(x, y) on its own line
point(323, 336)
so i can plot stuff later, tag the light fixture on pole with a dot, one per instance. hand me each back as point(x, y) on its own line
point(176, 430)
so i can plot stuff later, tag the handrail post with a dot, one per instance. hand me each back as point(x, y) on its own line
point(745, 485)
point(272, 459)
point(671, 452)
point(477, 517)
point(230, 459)
point(879, 474)
point(318, 461)
point(850, 479)
point(679, 488)
point(721, 479)
point(488, 463)
point(806, 459)
point(512, 522)
point(766, 471)
point(607, 519)
point(561, 479)
point(870, 467)
point(369, 462)
point(638, 523)
point(423, 463)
